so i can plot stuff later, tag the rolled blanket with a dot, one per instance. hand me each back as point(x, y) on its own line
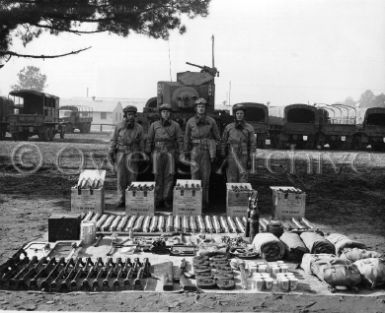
point(373, 271)
point(295, 248)
point(316, 243)
point(341, 241)
point(269, 246)
point(355, 254)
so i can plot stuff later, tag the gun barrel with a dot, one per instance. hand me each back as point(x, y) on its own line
point(192, 64)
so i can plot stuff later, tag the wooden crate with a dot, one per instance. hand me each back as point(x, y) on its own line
point(288, 202)
point(89, 199)
point(237, 203)
point(140, 202)
point(187, 201)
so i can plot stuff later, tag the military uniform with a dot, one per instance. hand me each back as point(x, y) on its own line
point(165, 140)
point(127, 144)
point(238, 144)
point(200, 138)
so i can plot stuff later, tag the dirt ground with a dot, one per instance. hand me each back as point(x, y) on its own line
point(345, 193)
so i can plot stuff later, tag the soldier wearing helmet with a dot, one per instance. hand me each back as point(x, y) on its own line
point(127, 143)
point(164, 141)
point(201, 136)
point(238, 146)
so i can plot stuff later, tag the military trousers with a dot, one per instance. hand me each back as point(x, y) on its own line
point(201, 169)
point(127, 172)
point(236, 171)
point(164, 171)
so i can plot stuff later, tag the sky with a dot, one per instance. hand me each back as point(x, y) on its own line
point(276, 51)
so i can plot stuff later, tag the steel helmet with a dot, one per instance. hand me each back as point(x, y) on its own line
point(237, 107)
point(165, 106)
point(130, 108)
point(201, 101)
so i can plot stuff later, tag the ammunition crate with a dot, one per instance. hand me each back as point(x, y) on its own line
point(88, 198)
point(64, 227)
point(288, 202)
point(237, 202)
point(83, 200)
point(187, 200)
point(140, 202)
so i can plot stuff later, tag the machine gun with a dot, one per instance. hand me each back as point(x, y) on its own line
point(206, 69)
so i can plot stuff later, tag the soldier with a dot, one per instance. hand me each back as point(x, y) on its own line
point(238, 145)
point(127, 144)
point(165, 140)
point(200, 138)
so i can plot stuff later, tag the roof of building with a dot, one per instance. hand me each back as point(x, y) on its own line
point(104, 104)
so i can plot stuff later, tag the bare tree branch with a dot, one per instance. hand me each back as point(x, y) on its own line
point(12, 53)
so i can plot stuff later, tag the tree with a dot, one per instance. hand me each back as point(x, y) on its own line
point(28, 19)
point(379, 101)
point(366, 99)
point(350, 101)
point(30, 78)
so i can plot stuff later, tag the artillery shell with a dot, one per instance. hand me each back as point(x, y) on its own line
point(244, 221)
point(107, 223)
point(101, 221)
point(209, 225)
point(96, 217)
point(122, 223)
point(224, 225)
point(201, 224)
point(177, 226)
point(130, 223)
point(217, 226)
point(238, 221)
point(115, 223)
point(193, 224)
point(233, 228)
point(185, 226)
point(88, 216)
point(138, 223)
point(161, 227)
point(170, 223)
point(146, 224)
point(154, 224)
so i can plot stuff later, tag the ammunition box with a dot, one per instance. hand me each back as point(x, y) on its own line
point(288, 202)
point(237, 198)
point(64, 227)
point(140, 198)
point(187, 197)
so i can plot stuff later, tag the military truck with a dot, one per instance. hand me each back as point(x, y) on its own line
point(76, 117)
point(36, 113)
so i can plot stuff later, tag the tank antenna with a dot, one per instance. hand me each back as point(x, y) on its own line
point(212, 51)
